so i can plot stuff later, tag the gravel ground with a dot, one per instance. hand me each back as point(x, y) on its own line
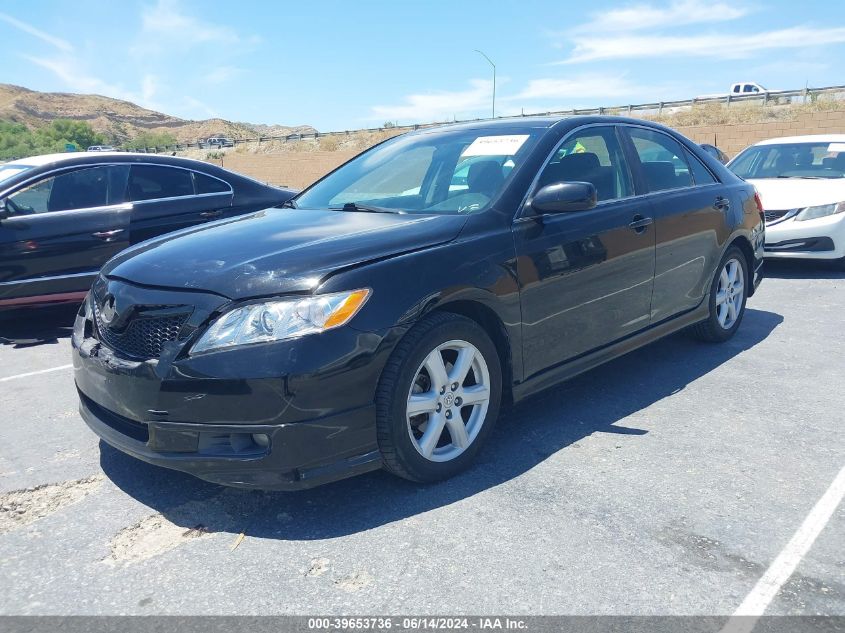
point(665, 482)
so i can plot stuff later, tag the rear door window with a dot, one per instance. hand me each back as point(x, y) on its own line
point(700, 174)
point(207, 184)
point(153, 182)
point(664, 165)
point(118, 179)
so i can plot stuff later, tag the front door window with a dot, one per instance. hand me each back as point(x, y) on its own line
point(80, 189)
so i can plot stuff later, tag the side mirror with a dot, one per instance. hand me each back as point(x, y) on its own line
point(565, 197)
point(4, 210)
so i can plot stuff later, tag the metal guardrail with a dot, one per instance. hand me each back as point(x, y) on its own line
point(766, 98)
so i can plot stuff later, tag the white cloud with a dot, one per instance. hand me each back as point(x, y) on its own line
point(192, 107)
point(78, 79)
point(222, 74)
point(166, 18)
point(717, 45)
point(150, 85)
point(642, 16)
point(546, 94)
point(576, 88)
point(57, 42)
point(166, 27)
point(71, 73)
point(439, 106)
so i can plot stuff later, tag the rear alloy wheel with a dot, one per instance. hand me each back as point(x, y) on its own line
point(438, 398)
point(728, 294)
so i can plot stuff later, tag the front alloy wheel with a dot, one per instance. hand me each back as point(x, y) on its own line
point(448, 401)
point(438, 398)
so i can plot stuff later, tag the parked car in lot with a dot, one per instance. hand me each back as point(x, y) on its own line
point(62, 216)
point(384, 318)
point(801, 180)
point(715, 152)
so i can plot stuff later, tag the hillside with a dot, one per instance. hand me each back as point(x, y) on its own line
point(120, 120)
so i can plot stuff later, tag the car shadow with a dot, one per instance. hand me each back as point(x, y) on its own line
point(802, 269)
point(525, 436)
point(27, 327)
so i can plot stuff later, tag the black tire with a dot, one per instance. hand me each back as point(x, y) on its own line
point(711, 330)
point(398, 450)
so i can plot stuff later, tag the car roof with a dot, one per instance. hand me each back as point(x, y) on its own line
point(538, 122)
point(807, 138)
point(65, 157)
point(69, 158)
point(503, 123)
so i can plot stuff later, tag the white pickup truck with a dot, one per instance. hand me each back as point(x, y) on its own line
point(739, 89)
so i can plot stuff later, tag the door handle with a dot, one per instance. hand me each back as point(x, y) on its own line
point(107, 235)
point(211, 214)
point(722, 203)
point(640, 223)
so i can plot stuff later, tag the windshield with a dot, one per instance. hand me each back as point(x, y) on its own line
point(447, 172)
point(791, 160)
point(7, 171)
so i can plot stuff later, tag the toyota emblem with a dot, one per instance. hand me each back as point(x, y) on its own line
point(107, 310)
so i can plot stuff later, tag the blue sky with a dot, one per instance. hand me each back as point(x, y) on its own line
point(357, 63)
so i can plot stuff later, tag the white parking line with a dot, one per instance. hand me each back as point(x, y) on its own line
point(784, 565)
point(35, 373)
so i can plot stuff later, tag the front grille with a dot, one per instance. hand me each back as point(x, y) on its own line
point(144, 336)
point(774, 216)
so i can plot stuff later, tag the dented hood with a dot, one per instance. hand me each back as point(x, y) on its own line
point(277, 250)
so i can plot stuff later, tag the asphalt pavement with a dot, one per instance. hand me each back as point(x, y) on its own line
point(666, 482)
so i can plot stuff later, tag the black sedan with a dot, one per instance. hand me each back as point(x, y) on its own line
point(384, 319)
point(62, 216)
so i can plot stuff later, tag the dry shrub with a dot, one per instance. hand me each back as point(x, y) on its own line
point(745, 112)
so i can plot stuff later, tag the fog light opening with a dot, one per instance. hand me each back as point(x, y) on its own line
point(261, 439)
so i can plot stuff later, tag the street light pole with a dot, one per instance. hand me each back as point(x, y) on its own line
point(494, 78)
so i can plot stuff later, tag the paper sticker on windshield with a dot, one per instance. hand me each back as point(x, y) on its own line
point(836, 147)
point(496, 145)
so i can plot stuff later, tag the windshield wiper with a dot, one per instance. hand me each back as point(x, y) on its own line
point(805, 177)
point(366, 208)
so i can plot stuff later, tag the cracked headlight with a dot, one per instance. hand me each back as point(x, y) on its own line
point(821, 211)
point(281, 319)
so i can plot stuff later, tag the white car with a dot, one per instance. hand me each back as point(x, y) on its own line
point(801, 181)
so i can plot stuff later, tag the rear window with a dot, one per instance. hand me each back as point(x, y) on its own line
point(151, 182)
